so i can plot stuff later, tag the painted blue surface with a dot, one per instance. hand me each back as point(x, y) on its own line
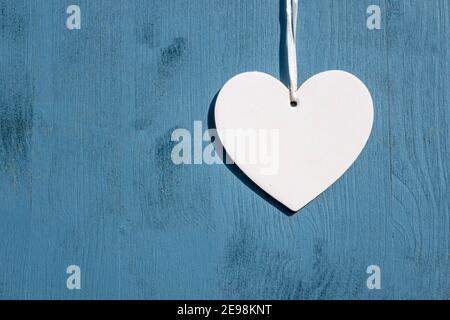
point(86, 176)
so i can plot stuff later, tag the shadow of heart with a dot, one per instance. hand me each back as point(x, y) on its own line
point(237, 171)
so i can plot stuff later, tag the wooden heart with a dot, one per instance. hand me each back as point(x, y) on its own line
point(294, 153)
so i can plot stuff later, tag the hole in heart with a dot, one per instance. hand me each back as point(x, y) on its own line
point(294, 104)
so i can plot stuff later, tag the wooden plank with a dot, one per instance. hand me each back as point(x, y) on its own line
point(16, 119)
point(419, 110)
point(76, 151)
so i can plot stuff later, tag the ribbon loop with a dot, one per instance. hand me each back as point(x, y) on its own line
point(292, 13)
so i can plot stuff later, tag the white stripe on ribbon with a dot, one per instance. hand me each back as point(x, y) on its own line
point(292, 13)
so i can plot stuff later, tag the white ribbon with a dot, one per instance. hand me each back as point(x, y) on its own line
point(292, 12)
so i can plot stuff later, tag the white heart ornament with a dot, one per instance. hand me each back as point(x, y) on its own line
point(294, 153)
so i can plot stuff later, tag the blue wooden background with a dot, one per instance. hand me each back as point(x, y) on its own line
point(86, 176)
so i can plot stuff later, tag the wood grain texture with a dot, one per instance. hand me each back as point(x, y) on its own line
point(86, 176)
